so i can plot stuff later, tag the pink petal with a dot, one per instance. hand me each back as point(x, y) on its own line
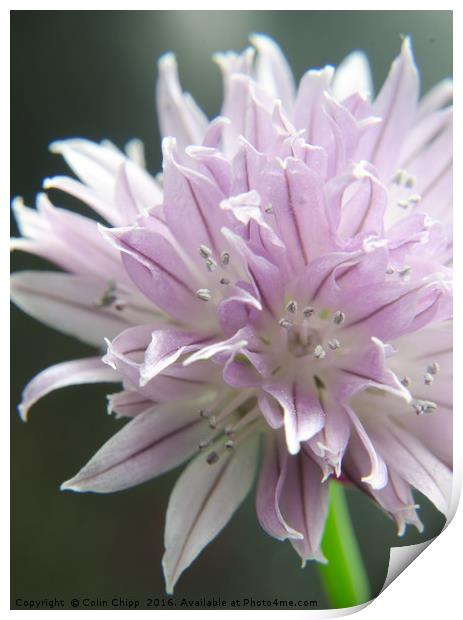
point(273, 71)
point(396, 105)
point(272, 478)
point(362, 449)
point(308, 110)
point(165, 348)
point(303, 415)
point(417, 465)
point(304, 505)
point(158, 270)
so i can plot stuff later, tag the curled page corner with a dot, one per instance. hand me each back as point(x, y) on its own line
point(401, 557)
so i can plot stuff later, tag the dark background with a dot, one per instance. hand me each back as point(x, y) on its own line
point(92, 74)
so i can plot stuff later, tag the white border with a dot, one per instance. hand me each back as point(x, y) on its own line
point(432, 586)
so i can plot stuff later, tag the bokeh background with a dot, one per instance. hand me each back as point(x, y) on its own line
point(92, 74)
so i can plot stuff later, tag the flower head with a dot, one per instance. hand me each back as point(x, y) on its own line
point(285, 282)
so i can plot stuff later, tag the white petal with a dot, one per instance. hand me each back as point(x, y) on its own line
point(155, 441)
point(273, 71)
point(68, 303)
point(178, 114)
point(75, 372)
point(352, 76)
point(203, 501)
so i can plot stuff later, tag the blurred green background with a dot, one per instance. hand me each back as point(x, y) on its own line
point(92, 74)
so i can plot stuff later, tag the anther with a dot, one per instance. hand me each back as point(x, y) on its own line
point(204, 444)
point(308, 312)
point(204, 294)
point(414, 198)
point(399, 177)
point(205, 251)
point(423, 406)
point(403, 204)
point(229, 430)
point(230, 444)
point(211, 264)
point(212, 422)
point(406, 381)
point(204, 414)
point(269, 208)
point(390, 271)
point(225, 258)
point(292, 307)
point(339, 317)
point(410, 182)
point(428, 378)
point(319, 352)
point(285, 323)
point(334, 344)
point(433, 368)
point(224, 281)
point(404, 272)
point(212, 458)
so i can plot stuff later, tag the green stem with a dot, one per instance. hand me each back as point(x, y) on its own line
point(344, 577)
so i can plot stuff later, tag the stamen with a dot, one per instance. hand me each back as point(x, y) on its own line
point(204, 294)
point(251, 416)
point(334, 344)
point(319, 352)
point(399, 176)
point(404, 272)
point(204, 444)
point(108, 298)
point(428, 378)
point(339, 317)
point(423, 406)
point(211, 264)
point(212, 422)
point(403, 204)
point(406, 381)
point(204, 414)
point(411, 181)
point(285, 323)
point(232, 406)
point(390, 271)
point(225, 258)
point(230, 444)
point(414, 198)
point(224, 281)
point(308, 312)
point(269, 208)
point(292, 307)
point(433, 368)
point(205, 251)
point(212, 458)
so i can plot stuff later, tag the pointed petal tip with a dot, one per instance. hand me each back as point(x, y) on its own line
point(56, 147)
point(48, 183)
point(258, 39)
point(167, 61)
point(70, 485)
point(23, 411)
point(168, 578)
point(17, 203)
